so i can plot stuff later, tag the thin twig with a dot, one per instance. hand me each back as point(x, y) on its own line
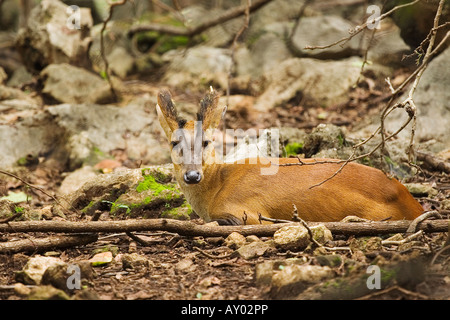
point(112, 5)
point(407, 239)
point(413, 226)
point(34, 187)
point(234, 46)
point(191, 32)
point(360, 28)
point(438, 254)
point(211, 255)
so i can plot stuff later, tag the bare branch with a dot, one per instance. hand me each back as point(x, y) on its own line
point(189, 228)
point(190, 32)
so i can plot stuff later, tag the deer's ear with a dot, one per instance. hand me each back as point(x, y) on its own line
point(167, 114)
point(210, 113)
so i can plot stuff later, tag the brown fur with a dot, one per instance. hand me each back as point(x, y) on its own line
point(232, 189)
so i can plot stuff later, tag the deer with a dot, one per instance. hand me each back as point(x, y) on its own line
point(238, 193)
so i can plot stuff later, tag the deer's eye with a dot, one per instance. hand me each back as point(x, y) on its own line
point(206, 143)
point(174, 143)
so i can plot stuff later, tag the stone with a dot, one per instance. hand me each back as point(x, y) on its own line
point(235, 240)
point(35, 268)
point(47, 293)
point(135, 261)
point(324, 30)
point(326, 82)
point(101, 259)
point(198, 67)
point(323, 137)
point(431, 99)
point(293, 279)
point(58, 275)
point(69, 84)
point(366, 244)
point(121, 62)
point(3, 76)
point(252, 250)
point(74, 180)
point(264, 272)
point(294, 238)
point(321, 234)
point(49, 37)
point(330, 260)
point(421, 189)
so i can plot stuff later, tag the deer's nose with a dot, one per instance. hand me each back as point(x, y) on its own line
point(192, 176)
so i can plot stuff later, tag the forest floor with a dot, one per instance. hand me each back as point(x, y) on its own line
point(181, 267)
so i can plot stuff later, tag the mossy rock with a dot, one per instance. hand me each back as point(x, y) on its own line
point(150, 193)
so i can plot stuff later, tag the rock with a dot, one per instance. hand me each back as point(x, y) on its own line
point(7, 208)
point(323, 137)
point(387, 47)
point(95, 130)
point(330, 260)
point(68, 84)
point(273, 12)
point(293, 279)
point(186, 265)
point(264, 272)
point(35, 268)
point(134, 261)
point(82, 134)
point(416, 21)
point(47, 293)
point(3, 76)
point(431, 99)
point(121, 62)
point(421, 189)
point(49, 37)
point(253, 250)
point(58, 275)
point(445, 204)
point(198, 67)
point(366, 244)
point(235, 240)
point(257, 60)
point(19, 77)
point(321, 234)
point(324, 30)
point(252, 238)
point(307, 75)
point(101, 259)
point(133, 192)
point(21, 289)
point(291, 238)
point(74, 180)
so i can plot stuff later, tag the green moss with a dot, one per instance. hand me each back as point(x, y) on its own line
point(19, 209)
point(87, 208)
point(293, 148)
point(151, 183)
point(182, 213)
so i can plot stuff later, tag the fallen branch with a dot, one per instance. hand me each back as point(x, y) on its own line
point(190, 32)
point(49, 243)
point(188, 228)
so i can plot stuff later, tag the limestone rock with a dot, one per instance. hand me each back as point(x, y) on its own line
point(291, 238)
point(51, 37)
point(68, 84)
